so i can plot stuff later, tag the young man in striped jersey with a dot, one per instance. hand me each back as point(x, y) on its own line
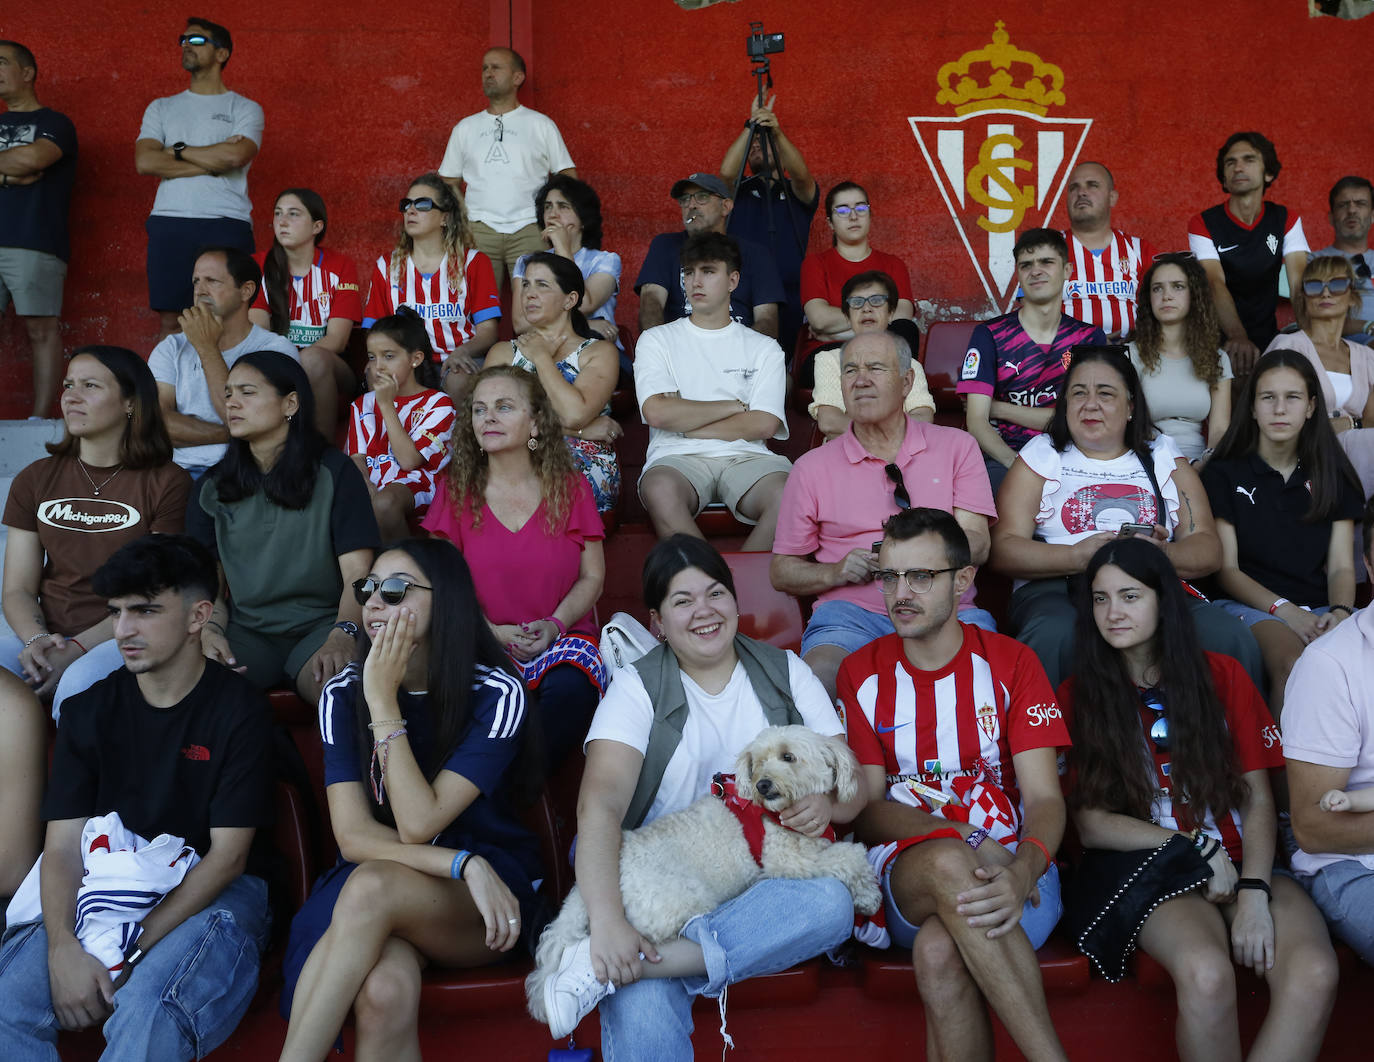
point(1106, 264)
point(957, 731)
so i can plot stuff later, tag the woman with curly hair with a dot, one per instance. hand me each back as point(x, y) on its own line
point(1183, 374)
point(1172, 748)
point(436, 268)
point(524, 519)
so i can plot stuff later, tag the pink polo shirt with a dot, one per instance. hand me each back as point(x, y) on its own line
point(837, 497)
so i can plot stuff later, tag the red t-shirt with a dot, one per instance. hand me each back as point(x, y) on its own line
point(990, 702)
point(329, 289)
point(1258, 743)
point(451, 310)
point(823, 276)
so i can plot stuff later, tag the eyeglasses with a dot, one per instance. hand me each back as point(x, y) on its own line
point(1360, 266)
point(195, 39)
point(1335, 285)
point(899, 492)
point(1153, 699)
point(845, 211)
point(424, 204)
point(393, 588)
point(500, 130)
point(858, 302)
point(1173, 256)
point(697, 198)
point(918, 580)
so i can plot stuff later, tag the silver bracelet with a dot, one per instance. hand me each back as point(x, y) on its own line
point(40, 634)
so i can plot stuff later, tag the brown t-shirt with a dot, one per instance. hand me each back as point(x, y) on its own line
point(79, 532)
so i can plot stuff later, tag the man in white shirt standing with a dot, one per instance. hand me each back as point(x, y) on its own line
point(504, 154)
point(711, 391)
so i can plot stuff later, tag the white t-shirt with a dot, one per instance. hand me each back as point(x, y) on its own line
point(710, 365)
point(717, 729)
point(1083, 496)
point(199, 120)
point(174, 361)
point(505, 159)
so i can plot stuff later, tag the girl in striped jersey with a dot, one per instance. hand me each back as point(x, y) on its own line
point(437, 270)
point(1168, 739)
point(398, 432)
point(427, 753)
point(310, 295)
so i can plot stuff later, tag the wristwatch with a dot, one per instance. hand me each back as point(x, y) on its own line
point(348, 627)
point(178, 148)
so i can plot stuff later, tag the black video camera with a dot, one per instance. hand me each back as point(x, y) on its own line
point(760, 44)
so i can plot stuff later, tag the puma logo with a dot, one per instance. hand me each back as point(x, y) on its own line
point(1014, 366)
point(1250, 494)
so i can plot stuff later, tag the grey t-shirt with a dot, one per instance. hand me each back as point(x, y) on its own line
point(198, 121)
point(174, 361)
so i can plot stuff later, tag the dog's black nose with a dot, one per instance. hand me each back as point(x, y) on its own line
point(765, 787)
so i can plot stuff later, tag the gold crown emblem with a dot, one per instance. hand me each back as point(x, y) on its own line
point(1040, 89)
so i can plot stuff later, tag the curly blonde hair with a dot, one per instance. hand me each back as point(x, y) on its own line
point(551, 460)
point(1200, 328)
point(458, 238)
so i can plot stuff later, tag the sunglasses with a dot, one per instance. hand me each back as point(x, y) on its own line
point(424, 204)
point(857, 208)
point(195, 39)
point(1335, 285)
point(393, 588)
point(1153, 699)
point(857, 302)
point(1173, 256)
point(1361, 266)
point(899, 492)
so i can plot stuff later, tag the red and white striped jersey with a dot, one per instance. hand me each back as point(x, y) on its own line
point(450, 312)
point(428, 417)
point(329, 289)
point(1103, 286)
point(1258, 744)
point(990, 702)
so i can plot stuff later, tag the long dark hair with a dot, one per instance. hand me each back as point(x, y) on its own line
point(460, 642)
point(1200, 327)
point(583, 199)
point(569, 280)
point(145, 443)
point(276, 272)
point(1114, 772)
point(407, 330)
point(1320, 452)
point(291, 481)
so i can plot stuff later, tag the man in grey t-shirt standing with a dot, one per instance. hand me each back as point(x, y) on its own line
point(191, 366)
point(200, 143)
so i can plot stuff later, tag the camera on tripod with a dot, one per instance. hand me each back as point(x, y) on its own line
point(761, 44)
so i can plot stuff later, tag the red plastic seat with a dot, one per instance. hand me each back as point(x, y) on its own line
point(766, 614)
point(945, 347)
point(888, 976)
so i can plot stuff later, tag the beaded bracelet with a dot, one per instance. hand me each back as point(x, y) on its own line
point(40, 634)
point(376, 769)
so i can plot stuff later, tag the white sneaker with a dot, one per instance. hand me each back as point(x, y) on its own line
point(572, 991)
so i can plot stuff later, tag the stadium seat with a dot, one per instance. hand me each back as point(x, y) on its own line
point(945, 347)
point(765, 614)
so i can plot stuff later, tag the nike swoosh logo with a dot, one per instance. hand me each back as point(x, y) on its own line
point(1223, 250)
point(888, 729)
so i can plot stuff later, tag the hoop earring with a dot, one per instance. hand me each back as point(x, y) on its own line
point(533, 444)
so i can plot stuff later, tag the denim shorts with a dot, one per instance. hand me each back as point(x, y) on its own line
point(1250, 616)
point(1038, 922)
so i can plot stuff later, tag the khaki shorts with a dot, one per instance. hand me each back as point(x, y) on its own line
point(723, 479)
point(506, 248)
point(33, 279)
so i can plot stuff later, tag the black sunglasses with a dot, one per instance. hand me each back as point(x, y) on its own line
point(899, 492)
point(196, 39)
point(393, 588)
point(1153, 699)
point(1361, 267)
point(424, 204)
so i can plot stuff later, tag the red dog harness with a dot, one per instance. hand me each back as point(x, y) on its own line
point(750, 815)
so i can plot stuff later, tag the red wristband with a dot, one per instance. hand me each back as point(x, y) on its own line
point(562, 630)
point(1049, 859)
point(77, 644)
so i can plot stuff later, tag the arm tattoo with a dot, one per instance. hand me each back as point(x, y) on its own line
point(1192, 524)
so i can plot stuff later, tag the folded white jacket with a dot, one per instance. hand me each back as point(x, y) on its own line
point(124, 879)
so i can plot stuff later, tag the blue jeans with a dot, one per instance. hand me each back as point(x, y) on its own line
point(852, 626)
point(85, 671)
point(181, 1002)
point(775, 925)
point(1344, 892)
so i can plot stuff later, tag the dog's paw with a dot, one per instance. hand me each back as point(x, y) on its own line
point(867, 896)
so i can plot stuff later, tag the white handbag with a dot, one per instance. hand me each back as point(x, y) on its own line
point(624, 640)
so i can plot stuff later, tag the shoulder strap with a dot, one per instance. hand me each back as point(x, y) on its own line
point(1148, 461)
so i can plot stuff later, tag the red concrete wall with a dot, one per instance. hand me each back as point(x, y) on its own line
point(645, 92)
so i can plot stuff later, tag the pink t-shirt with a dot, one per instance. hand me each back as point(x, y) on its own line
point(1328, 714)
point(838, 496)
point(521, 575)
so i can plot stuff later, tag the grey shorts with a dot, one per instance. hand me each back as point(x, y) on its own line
point(33, 280)
point(723, 479)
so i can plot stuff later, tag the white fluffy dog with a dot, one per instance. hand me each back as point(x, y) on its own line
point(692, 861)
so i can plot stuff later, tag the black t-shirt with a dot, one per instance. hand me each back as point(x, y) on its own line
point(203, 764)
point(34, 216)
point(1251, 259)
point(1275, 546)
